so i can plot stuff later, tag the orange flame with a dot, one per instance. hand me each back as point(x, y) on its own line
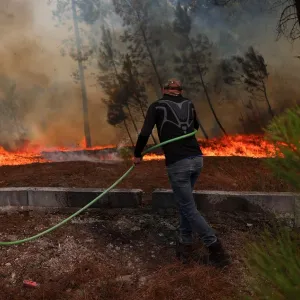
point(238, 145)
point(82, 143)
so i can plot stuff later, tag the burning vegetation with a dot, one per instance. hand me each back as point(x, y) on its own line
point(236, 85)
point(237, 145)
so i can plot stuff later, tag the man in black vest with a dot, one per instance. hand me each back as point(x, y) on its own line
point(175, 116)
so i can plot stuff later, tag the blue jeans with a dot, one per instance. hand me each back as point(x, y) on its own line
point(183, 175)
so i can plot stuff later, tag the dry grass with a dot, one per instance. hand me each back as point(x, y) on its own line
point(90, 261)
point(82, 283)
point(90, 282)
point(177, 282)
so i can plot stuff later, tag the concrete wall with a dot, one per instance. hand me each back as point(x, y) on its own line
point(282, 204)
point(69, 197)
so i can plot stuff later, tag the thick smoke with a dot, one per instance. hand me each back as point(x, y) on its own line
point(39, 101)
point(232, 30)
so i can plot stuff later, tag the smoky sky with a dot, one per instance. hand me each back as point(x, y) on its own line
point(40, 102)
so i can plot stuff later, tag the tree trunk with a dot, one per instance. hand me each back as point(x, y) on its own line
point(128, 132)
point(141, 107)
point(151, 58)
point(132, 119)
point(270, 110)
point(87, 132)
point(127, 105)
point(137, 97)
point(242, 119)
point(200, 125)
point(257, 109)
point(149, 50)
point(204, 87)
point(203, 130)
point(297, 6)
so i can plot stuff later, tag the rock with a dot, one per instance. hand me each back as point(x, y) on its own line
point(124, 224)
point(136, 228)
point(125, 278)
point(8, 264)
point(89, 241)
point(144, 279)
point(168, 225)
point(13, 277)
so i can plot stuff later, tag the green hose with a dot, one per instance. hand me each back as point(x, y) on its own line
point(96, 199)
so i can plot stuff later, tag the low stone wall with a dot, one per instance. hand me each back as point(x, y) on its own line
point(282, 204)
point(69, 197)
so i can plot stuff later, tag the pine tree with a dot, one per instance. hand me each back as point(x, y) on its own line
point(284, 133)
point(274, 265)
point(289, 21)
point(13, 132)
point(251, 71)
point(198, 55)
point(143, 35)
point(274, 260)
point(110, 64)
point(135, 89)
point(76, 11)
point(190, 85)
point(115, 111)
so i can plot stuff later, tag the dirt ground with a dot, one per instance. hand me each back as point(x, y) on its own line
point(219, 173)
point(124, 254)
point(117, 254)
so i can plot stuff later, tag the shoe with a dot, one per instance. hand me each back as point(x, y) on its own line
point(217, 255)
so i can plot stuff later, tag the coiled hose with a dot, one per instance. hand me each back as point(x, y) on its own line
point(17, 242)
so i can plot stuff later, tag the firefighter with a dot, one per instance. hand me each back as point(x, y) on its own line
point(175, 115)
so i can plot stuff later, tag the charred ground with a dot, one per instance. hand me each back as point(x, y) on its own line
point(117, 254)
point(219, 173)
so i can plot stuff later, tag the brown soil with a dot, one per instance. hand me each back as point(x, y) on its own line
point(116, 254)
point(124, 254)
point(219, 173)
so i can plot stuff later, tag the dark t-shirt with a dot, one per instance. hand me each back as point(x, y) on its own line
point(173, 116)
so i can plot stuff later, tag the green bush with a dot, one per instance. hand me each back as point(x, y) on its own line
point(125, 153)
point(274, 264)
point(284, 133)
point(274, 260)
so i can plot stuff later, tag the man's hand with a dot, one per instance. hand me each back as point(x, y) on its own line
point(137, 160)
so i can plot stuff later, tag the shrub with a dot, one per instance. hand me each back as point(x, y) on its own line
point(284, 133)
point(125, 153)
point(274, 260)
